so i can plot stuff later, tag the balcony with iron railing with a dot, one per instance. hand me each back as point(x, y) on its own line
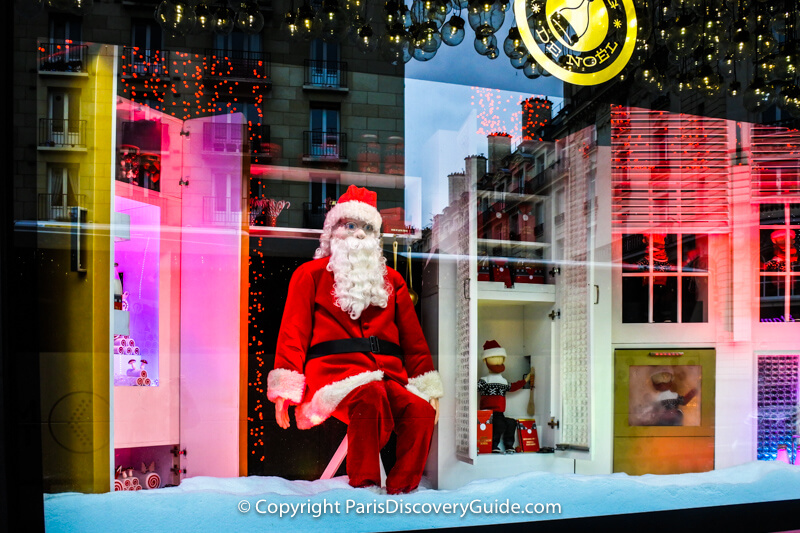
point(325, 146)
point(325, 75)
point(59, 56)
point(136, 61)
point(59, 206)
point(62, 133)
point(238, 65)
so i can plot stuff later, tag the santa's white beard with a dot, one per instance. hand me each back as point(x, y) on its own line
point(359, 274)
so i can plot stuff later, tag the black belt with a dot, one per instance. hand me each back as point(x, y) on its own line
point(364, 345)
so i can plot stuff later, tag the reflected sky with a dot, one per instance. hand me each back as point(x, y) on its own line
point(444, 123)
point(463, 66)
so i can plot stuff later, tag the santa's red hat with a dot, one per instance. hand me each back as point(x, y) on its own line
point(356, 203)
point(493, 349)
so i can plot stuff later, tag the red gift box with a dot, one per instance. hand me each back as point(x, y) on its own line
point(501, 271)
point(528, 273)
point(485, 431)
point(484, 269)
point(528, 436)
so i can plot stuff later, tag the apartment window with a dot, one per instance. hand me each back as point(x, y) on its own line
point(238, 42)
point(65, 28)
point(325, 68)
point(779, 276)
point(665, 278)
point(147, 57)
point(223, 136)
point(63, 187)
point(325, 138)
point(224, 198)
point(63, 117)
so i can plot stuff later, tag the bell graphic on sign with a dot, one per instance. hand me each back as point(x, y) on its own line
point(579, 24)
point(572, 22)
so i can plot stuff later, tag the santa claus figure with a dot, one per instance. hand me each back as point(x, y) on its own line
point(351, 346)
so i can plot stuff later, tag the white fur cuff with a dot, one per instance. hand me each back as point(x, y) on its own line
point(327, 399)
point(284, 383)
point(427, 385)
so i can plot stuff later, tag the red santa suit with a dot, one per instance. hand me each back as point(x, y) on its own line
point(373, 391)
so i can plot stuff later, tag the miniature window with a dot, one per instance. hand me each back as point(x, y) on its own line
point(664, 278)
point(779, 276)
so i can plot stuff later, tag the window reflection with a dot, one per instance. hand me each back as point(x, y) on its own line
point(654, 281)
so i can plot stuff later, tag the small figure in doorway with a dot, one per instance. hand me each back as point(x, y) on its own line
point(493, 389)
point(667, 410)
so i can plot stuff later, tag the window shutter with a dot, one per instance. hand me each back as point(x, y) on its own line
point(775, 162)
point(670, 172)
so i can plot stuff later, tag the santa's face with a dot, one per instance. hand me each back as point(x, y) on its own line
point(358, 267)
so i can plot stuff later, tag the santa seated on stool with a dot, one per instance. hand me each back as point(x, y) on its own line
point(351, 346)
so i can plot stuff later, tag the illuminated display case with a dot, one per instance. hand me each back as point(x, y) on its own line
point(176, 371)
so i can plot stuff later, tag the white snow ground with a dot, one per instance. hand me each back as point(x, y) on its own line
point(211, 504)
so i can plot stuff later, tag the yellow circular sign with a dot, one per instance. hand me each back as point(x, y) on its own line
point(584, 42)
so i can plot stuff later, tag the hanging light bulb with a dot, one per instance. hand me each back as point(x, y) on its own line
point(758, 96)
point(331, 20)
point(531, 70)
point(513, 46)
point(742, 42)
point(429, 11)
point(644, 74)
point(484, 44)
point(787, 63)
point(453, 31)
point(289, 25)
point(708, 82)
point(249, 18)
point(351, 12)
point(682, 83)
point(734, 89)
point(307, 27)
point(365, 39)
point(727, 66)
point(395, 45)
point(765, 41)
point(789, 99)
point(766, 68)
point(484, 18)
point(205, 19)
point(175, 17)
point(519, 62)
point(426, 41)
point(683, 37)
point(715, 45)
point(224, 20)
point(644, 19)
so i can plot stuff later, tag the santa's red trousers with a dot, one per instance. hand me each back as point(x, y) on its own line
point(372, 412)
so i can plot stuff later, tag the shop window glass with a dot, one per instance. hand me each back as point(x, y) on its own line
point(665, 278)
point(779, 236)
